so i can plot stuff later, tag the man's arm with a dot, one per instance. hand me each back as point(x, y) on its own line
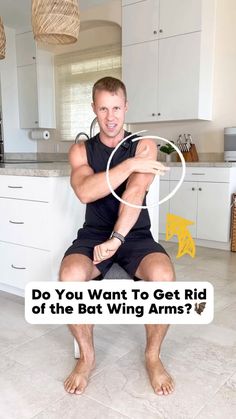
point(90, 186)
point(136, 187)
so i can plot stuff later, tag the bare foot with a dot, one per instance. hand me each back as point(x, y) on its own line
point(161, 381)
point(78, 379)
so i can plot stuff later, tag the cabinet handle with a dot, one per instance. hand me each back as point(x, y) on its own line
point(201, 174)
point(36, 122)
point(17, 267)
point(153, 114)
point(155, 32)
point(200, 189)
point(160, 30)
point(193, 189)
point(15, 187)
point(16, 222)
point(159, 114)
point(34, 58)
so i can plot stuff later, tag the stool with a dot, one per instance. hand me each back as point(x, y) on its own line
point(115, 272)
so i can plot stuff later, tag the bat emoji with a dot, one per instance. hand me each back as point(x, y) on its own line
point(200, 307)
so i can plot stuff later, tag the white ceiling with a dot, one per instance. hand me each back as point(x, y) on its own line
point(17, 13)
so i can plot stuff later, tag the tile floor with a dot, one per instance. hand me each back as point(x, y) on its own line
point(202, 359)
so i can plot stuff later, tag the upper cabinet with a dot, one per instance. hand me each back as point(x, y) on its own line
point(127, 2)
point(36, 89)
point(169, 46)
point(179, 16)
point(140, 22)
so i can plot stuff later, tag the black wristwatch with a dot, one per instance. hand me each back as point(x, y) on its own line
point(118, 236)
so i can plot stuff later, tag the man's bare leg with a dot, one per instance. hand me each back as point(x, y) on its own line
point(80, 268)
point(156, 267)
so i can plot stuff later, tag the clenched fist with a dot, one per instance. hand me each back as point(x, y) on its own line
point(105, 250)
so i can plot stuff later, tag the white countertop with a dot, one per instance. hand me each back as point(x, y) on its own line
point(36, 169)
point(63, 168)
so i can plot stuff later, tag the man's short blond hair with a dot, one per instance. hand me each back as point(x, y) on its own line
point(109, 84)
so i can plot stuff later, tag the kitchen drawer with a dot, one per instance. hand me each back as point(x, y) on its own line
point(20, 265)
point(25, 222)
point(202, 174)
point(24, 187)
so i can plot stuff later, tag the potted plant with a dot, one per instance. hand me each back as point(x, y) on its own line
point(167, 149)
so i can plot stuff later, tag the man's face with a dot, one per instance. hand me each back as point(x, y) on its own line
point(110, 109)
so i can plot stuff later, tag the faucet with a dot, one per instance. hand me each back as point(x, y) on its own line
point(79, 135)
point(92, 129)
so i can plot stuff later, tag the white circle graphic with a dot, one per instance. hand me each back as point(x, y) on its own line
point(154, 137)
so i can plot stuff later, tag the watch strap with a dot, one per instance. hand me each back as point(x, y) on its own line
point(118, 236)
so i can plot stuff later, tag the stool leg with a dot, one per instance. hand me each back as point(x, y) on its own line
point(76, 349)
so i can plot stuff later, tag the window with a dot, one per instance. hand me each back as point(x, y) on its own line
point(75, 75)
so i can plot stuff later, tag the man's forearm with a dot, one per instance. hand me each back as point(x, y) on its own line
point(95, 186)
point(129, 215)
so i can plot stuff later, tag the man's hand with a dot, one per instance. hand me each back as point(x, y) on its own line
point(105, 250)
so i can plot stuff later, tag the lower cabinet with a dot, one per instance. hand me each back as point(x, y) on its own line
point(207, 205)
point(39, 220)
point(207, 202)
point(20, 265)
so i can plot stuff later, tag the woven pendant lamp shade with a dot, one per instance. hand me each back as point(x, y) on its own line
point(55, 21)
point(2, 41)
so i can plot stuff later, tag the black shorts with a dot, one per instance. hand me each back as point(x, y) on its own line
point(128, 256)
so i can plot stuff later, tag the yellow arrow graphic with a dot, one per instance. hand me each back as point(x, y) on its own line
point(176, 225)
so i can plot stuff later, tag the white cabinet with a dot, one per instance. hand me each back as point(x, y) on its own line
point(213, 211)
point(28, 96)
point(179, 16)
point(39, 219)
point(127, 2)
point(168, 67)
point(144, 59)
point(178, 77)
point(140, 22)
point(204, 198)
point(184, 203)
point(36, 91)
point(25, 49)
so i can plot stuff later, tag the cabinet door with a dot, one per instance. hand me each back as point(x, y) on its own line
point(178, 77)
point(25, 49)
point(126, 2)
point(184, 203)
point(163, 208)
point(20, 265)
point(140, 22)
point(179, 16)
point(26, 223)
point(28, 97)
point(213, 220)
point(139, 70)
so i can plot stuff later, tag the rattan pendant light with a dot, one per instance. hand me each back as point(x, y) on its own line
point(55, 21)
point(2, 41)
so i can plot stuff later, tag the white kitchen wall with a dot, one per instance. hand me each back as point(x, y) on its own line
point(15, 139)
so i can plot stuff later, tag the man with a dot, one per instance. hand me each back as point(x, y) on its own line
point(113, 231)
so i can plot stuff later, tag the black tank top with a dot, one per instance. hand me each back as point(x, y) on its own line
point(103, 213)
